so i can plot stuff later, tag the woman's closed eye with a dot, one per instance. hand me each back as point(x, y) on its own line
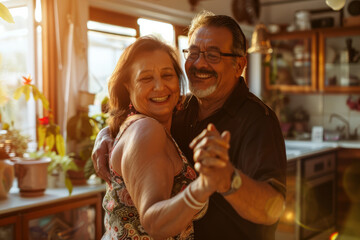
point(167, 76)
point(146, 78)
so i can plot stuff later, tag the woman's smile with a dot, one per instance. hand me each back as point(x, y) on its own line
point(160, 99)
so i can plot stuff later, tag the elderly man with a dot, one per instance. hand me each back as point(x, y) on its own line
point(251, 198)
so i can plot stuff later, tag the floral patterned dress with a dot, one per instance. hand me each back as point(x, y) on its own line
point(122, 219)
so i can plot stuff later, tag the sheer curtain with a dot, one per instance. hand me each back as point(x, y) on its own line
point(71, 46)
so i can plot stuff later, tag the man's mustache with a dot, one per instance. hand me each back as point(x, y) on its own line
point(194, 70)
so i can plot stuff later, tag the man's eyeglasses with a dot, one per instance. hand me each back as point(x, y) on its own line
point(211, 56)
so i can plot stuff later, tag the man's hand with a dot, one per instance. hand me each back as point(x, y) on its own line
point(100, 154)
point(211, 157)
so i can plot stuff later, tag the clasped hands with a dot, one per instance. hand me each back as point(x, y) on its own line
point(212, 159)
point(210, 156)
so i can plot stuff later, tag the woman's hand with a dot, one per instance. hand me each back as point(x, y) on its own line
point(212, 159)
point(211, 148)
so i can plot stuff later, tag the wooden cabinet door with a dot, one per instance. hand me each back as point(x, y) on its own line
point(339, 60)
point(80, 219)
point(10, 228)
point(293, 63)
point(348, 194)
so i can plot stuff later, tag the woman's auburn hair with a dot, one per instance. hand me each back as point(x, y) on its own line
point(119, 99)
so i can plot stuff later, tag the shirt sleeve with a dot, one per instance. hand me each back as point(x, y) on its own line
point(262, 154)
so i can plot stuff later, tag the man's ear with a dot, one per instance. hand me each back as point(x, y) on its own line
point(240, 66)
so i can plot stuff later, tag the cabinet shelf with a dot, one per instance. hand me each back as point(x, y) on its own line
point(354, 66)
point(312, 61)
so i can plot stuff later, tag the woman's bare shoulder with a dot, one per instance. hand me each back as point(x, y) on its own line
point(143, 133)
point(145, 127)
point(142, 139)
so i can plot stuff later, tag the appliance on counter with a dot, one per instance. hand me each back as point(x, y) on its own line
point(310, 199)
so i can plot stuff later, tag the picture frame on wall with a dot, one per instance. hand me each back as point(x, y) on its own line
point(323, 18)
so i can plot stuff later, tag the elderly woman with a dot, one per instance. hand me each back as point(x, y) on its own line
point(154, 193)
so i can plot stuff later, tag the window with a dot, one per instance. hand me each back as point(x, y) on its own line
point(163, 31)
point(17, 58)
point(183, 44)
point(108, 41)
point(105, 41)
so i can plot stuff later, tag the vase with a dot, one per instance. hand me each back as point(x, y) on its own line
point(6, 177)
point(32, 176)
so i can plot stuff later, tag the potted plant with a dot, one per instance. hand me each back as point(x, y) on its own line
point(51, 143)
point(82, 130)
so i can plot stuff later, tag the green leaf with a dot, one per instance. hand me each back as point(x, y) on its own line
point(27, 92)
point(60, 145)
point(18, 92)
point(35, 93)
point(41, 135)
point(68, 185)
point(38, 95)
point(5, 14)
point(44, 101)
point(5, 126)
point(50, 141)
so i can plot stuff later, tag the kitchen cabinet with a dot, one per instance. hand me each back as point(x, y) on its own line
point(339, 60)
point(320, 60)
point(311, 192)
point(293, 63)
point(54, 215)
point(9, 229)
point(348, 194)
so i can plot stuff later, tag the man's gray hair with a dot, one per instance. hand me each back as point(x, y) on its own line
point(209, 19)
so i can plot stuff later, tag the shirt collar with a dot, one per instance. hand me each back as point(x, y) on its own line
point(237, 97)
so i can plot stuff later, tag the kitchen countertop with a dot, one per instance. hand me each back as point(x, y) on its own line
point(14, 202)
point(296, 149)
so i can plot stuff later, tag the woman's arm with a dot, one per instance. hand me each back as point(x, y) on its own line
point(148, 169)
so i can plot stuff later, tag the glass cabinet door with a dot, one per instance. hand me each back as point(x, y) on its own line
point(7, 232)
point(74, 224)
point(339, 63)
point(9, 228)
point(292, 65)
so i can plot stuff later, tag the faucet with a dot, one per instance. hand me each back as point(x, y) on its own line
point(347, 125)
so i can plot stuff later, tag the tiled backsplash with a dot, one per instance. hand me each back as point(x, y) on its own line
point(321, 106)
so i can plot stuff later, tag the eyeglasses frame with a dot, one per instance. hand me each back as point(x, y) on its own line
point(221, 54)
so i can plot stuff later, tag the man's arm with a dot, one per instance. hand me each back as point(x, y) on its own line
point(100, 154)
point(256, 201)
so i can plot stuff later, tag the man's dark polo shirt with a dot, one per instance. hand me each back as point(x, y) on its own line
point(256, 148)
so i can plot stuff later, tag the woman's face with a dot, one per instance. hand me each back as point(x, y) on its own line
point(154, 86)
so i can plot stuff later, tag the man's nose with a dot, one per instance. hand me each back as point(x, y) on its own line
point(201, 60)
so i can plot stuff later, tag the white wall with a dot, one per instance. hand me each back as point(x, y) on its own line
point(284, 13)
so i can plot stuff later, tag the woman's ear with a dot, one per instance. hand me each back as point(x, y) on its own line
point(240, 66)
